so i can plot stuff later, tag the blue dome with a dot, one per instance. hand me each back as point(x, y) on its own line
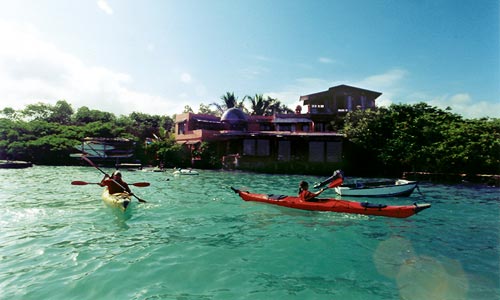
point(234, 115)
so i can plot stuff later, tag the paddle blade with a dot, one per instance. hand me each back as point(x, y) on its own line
point(330, 180)
point(77, 182)
point(335, 183)
point(141, 184)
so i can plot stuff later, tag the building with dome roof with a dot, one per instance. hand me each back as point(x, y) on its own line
point(234, 119)
point(292, 143)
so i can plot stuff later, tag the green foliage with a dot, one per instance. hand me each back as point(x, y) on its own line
point(424, 138)
point(389, 140)
point(205, 109)
point(187, 109)
point(61, 113)
point(85, 115)
point(207, 155)
point(168, 153)
point(9, 113)
point(46, 134)
point(261, 106)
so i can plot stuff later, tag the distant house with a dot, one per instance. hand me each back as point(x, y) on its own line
point(337, 101)
point(295, 143)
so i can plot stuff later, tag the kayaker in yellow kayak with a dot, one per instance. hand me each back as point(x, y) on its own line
point(115, 183)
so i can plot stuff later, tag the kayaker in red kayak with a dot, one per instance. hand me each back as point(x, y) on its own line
point(115, 184)
point(305, 194)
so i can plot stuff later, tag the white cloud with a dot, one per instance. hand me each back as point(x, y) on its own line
point(387, 80)
point(34, 70)
point(290, 94)
point(388, 83)
point(104, 6)
point(463, 104)
point(392, 85)
point(186, 77)
point(326, 60)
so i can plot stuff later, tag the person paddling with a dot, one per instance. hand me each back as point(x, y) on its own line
point(115, 183)
point(305, 194)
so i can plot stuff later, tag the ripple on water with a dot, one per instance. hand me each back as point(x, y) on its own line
point(196, 239)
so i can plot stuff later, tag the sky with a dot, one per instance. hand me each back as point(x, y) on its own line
point(157, 56)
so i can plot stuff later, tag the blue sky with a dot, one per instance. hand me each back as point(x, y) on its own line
point(157, 56)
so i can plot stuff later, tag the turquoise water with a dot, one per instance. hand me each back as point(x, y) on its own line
point(196, 239)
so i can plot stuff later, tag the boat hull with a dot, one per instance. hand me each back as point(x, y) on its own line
point(186, 172)
point(335, 205)
point(401, 188)
point(14, 164)
point(118, 200)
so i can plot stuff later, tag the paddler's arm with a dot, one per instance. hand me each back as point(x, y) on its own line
point(319, 192)
point(314, 195)
point(104, 181)
point(127, 188)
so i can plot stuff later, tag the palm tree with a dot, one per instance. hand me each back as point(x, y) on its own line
point(229, 101)
point(267, 106)
point(259, 105)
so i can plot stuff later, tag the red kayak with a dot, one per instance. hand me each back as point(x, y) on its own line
point(335, 205)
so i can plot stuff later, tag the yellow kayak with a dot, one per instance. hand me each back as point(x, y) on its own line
point(120, 200)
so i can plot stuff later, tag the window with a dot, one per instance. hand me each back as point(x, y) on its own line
point(284, 127)
point(316, 151)
point(181, 126)
point(248, 147)
point(284, 151)
point(256, 147)
point(333, 151)
point(263, 148)
point(319, 127)
point(265, 127)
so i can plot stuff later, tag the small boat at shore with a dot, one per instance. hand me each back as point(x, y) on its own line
point(119, 200)
point(335, 205)
point(397, 188)
point(14, 164)
point(153, 169)
point(186, 172)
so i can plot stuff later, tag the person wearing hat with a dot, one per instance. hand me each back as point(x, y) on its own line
point(115, 183)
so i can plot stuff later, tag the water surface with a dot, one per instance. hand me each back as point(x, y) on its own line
point(196, 239)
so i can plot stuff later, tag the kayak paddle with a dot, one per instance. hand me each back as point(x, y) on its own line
point(93, 165)
point(333, 181)
point(138, 184)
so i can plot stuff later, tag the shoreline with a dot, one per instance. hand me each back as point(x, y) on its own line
point(488, 179)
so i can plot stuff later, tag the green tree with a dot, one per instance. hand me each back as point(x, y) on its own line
point(205, 109)
point(229, 100)
point(420, 137)
point(61, 113)
point(9, 113)
point(187, 109)
point(144, 125)
point(268, 106)
point(170, 153)
point(259, 106)
point(207, 152)
point(85, 115)
point(37, 111)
